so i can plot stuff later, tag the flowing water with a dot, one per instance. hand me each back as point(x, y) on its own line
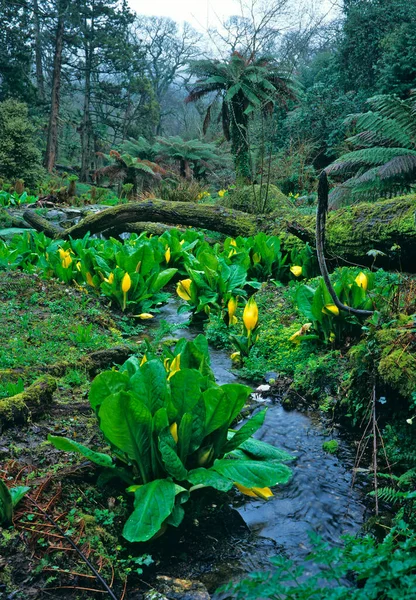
point(319, 497)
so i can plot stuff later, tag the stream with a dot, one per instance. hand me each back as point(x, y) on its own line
point(319, 497)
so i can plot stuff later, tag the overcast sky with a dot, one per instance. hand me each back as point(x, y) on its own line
point(199, 13)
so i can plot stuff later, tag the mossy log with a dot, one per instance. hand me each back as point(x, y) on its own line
point(32, 402)
point(386, 226)
point(215, 218)
point(92, 363)
point(351, 232)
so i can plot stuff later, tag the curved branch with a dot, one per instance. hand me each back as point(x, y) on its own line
point(321, 213)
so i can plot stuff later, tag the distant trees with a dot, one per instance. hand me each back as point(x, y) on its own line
point(243, 85)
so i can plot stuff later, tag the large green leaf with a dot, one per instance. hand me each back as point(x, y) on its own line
point(127, 424)
point(185, 436)
point(149, 384)
point(162, 279)
point(252, 473)
point(153, 503)
point(6, 505)
point(170, 458)
point(209, 478)
point(106, 384)
point(223, 404)
point(304, 299)
point(185, 388)
point(246, 431)
point(67, 445)
point(17, 493)
point(264, 451)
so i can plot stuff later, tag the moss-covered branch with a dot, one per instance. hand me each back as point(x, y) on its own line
point(32, 402)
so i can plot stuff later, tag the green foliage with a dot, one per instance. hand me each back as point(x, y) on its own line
point(9, 498)
point(332, 446)
point(381, 571)
point(167, 423)
point(383, 160)
point(327, 320)
point(15, 199)
point(19, 156)
point(256, 199)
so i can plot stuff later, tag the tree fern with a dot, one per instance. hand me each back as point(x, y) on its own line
point(382, 160)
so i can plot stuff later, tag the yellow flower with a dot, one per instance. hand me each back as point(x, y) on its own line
point(235, 356)
point(174, 431)
point(110, 278)
point(174, 366)
point(167, 255)
point(250, 315)
point(144, 360)
point(62, 253)
point(205, 455)
point(296, 270)
point(256, 258)
point(126, 283)
point(222, 193)
point(330, 309)
point(182, 242)
point(232, 252)
point(233, 243)
point(255, 492)
point(332, 337)
point(232, 307)
point(78, 266)
point(295, 337)
point(66, 261)
point(183, 289)
point(89, 279)
point(144, 316)
point(362, 280)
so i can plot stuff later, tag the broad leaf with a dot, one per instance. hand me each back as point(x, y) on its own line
point(246, 431)
point(6, 505)
point(209, 478)
point(106, 384)
point(153, 503)
point(264, 451)
point(17, 493)
point(252, 473)
point(67, 445)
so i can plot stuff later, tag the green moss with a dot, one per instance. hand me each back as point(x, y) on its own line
point(331, 447)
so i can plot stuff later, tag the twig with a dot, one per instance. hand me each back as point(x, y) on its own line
point(375, 447)
point(75, 547)
point(320, 244)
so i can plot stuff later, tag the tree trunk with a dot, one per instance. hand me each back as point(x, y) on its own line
point(52, 141)
point(86, 127)
point(40, 80)
point(239, 142)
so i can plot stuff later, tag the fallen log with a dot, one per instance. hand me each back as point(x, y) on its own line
point(212, 217)
point(386, 227)
point(30, 403)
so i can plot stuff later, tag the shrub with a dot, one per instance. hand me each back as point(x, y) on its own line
point(19, 156)
point(255, 199)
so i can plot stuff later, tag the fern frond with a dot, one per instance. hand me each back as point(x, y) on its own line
point(400, 165)
point(382, 128)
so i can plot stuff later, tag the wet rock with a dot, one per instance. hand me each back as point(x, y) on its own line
point(263, 389)
point(182, 589)
point(154, 595)
point(271, 377)
point(55, 215)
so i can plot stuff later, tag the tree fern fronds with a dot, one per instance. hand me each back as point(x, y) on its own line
point(400, 165)
point(366, 156)
point(384, 128)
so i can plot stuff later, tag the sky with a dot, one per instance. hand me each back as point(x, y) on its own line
point(199, 13)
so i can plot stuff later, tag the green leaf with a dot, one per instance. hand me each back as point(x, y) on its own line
point(162, 279)
point(264, 451)
point(106, 384)
point(252, 473)
point(246, 431)
point(170, 458)
point(149, 384)
point(67, 445)
point(304, 299)
point(153, 503)
point(127, 424)
point(6, 505)
point(17, 493)
point(185, 436)
point(185, 389)
point(209, 478)
point(176, 516)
